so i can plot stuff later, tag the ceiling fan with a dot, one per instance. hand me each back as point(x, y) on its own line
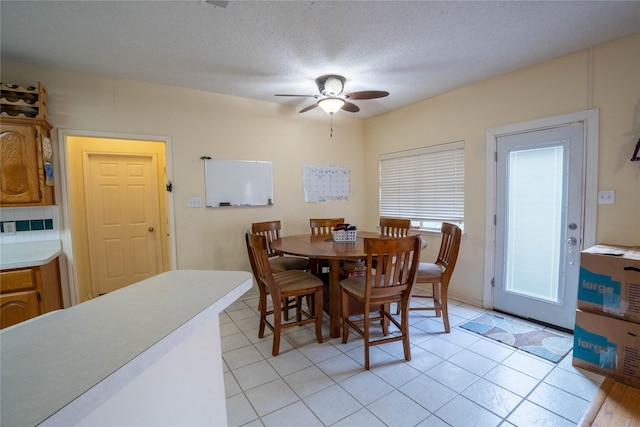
point(331, 98)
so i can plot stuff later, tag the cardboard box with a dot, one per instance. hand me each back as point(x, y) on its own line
point(610, 281)
point(607, 346)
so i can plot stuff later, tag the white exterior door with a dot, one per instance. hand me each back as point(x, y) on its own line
point(122, 219)
point(539, 212)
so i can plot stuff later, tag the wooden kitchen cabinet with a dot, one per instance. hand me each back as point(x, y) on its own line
point(29, 292)
point(22, 162)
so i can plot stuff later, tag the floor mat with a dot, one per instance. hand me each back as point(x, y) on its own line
point(524, 336)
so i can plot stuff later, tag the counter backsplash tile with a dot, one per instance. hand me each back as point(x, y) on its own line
point(32, 224)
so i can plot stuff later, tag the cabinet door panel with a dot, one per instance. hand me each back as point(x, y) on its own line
point(51, 289)
point(18, 307)
point(17, 280)
point(19, 180)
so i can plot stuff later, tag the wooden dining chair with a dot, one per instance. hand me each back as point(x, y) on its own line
point(271, 231)
point(396, 227)
point(322, 227)
point(283, 287)
point(399, 258)
point(279, 263)
point(439, 273)
point(393, 227)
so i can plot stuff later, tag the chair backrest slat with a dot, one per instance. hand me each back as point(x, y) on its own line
point(259, 259)
point(449, 247)
point(396, 264)
point(324, 226)
point(270, 230)
point(396, 227)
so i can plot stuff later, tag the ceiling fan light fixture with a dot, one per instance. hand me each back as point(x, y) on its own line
point(330, 85)
point(331, 105)
point(333, 86)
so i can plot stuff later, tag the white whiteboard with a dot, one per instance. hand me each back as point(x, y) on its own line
point(238, 182)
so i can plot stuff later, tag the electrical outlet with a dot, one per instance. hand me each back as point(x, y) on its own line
point(194, 202)
point(9, 227)
point(606, 197)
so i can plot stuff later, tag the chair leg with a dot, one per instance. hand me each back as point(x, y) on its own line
point(317, 300)
point(277, 322)
point(437, 298)
point(285, 303)
point(345, 317)
point(445, 309)
point(366, 339)
point(262, 307)
point(384, 320)
point(310, 304)
point(298, 308)
point(404, 321)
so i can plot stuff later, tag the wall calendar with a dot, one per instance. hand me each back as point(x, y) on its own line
point(324, 183)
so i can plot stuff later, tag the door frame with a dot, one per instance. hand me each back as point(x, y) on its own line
point(590, 118)
point(67, 247)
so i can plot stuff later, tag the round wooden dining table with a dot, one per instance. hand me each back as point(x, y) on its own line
point(324, 247)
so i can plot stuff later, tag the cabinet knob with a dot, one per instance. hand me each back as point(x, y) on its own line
point(150, 229)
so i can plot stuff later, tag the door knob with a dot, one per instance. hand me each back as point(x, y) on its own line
point(151, 229)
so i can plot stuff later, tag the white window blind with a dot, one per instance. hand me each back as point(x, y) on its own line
point(425, 185)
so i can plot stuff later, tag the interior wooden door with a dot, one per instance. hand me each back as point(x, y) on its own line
point(122, 219)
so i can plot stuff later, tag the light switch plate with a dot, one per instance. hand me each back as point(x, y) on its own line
point(606, 197)
point(194, 202)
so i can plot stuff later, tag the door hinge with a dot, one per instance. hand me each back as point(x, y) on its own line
point(496, 156)
point(493, 282)
point(495, 219)
point(169, 186)
point(35, 132)
point(38, 296)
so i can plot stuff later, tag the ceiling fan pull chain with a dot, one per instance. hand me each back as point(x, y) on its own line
point(331, 134)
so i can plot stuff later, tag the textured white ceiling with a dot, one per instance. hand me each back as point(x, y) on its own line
point(255, 49)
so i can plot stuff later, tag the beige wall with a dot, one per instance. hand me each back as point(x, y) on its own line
point(552, 88)
point(616, 91)
point(199, 123)
point(205, 124)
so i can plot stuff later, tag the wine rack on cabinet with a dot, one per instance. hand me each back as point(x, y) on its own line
point(27, 102)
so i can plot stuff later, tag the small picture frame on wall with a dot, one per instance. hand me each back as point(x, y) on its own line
point(47, 149)
point(48, 173)
point(47, 156)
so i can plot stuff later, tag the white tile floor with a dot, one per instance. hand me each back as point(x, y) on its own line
point(456, 379)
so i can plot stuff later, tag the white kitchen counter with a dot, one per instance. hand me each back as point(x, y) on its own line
point(28, 254)
point(131, 347)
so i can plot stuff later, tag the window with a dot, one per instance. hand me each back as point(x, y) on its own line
point(425, 185)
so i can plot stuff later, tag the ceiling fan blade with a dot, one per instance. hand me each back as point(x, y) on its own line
point(367, 94)
point(310, 107)
point(222, 4)
point(304, 96)
point(352, 108)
